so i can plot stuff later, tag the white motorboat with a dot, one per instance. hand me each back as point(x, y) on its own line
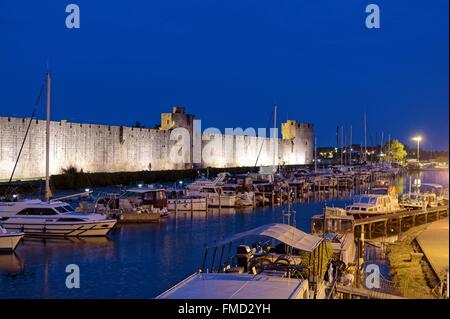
point(177, 200)
point(372, 205)
point(381, 200)
point(423, 196)
point(243, 198)
point(52, 219)
point(8, 239)
point(215, 196)
point(418, 200)
point(199, 183)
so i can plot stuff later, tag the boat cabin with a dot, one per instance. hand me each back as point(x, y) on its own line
point(338, 228)
point(146, 196)
point(212, 191)
point(373, 204)
point(333, 220)
point(33, 208)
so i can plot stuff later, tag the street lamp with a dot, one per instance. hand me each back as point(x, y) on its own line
point(417, 139)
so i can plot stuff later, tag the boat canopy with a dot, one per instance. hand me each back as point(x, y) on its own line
point(289, 235)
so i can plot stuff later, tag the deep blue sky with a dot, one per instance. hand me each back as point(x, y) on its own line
point(228, 61)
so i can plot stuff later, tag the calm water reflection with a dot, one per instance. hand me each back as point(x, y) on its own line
point(141, 261)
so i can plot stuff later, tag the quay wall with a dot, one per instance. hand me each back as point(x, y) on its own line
point(104, 148)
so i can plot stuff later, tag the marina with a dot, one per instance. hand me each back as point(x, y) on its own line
point(215, 159)
point(152, 258)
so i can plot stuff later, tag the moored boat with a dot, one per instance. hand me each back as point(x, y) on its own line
point(423, 196)
point(372, 205)
point(9, 239)
point(215, 196)
point(338, 227)
point(291, 268)
point(139, 204)
point(52, 219)
point(177, 200)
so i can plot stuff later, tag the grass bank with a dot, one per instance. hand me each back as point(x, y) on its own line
point(414, 276)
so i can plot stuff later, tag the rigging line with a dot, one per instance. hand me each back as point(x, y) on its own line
point(25, 138)
point(262, 144)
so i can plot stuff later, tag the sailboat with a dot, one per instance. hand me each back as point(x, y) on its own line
point(45, 218)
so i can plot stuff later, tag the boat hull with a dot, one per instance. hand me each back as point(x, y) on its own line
point(360, 215)
point(55, 229)
point(9, 241)
point(221, 201)
point(135, 218)
point(186, 204)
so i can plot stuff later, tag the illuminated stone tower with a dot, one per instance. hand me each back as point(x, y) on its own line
point(302, 136)
point(179, 118)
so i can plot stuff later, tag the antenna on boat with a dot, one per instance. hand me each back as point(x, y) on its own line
point(47, 141)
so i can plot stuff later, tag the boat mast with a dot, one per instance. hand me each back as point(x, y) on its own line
point(389, 148)
point(274, 136)
point(24, 138)
point(342, 145)
point(365, 138)
point(315, 154)
point(47, 141)
point(337, 142)
point(350, 149)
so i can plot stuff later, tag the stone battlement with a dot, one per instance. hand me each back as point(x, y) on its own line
point(106, 148)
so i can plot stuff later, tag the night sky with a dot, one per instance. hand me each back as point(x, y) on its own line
point(229, 61)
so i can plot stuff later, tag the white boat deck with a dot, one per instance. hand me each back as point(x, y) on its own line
point(237, 286)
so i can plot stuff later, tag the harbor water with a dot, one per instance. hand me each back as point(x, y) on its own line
point(143, 260)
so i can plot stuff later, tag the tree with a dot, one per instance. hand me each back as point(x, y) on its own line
point(396, 150)
point(138, 125)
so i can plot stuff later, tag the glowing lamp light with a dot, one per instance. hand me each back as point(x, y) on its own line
point(417, 182)
point(418, 139)
point(140, 185)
